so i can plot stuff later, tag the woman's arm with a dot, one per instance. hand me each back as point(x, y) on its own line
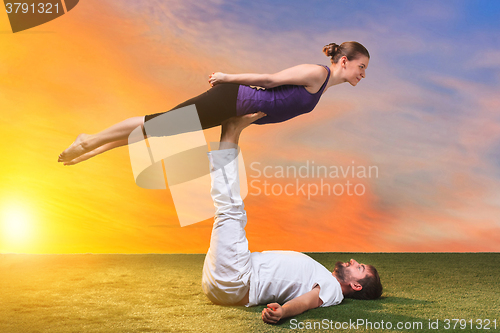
point(301, 75)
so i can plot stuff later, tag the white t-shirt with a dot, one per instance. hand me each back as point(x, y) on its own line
point(279, 276)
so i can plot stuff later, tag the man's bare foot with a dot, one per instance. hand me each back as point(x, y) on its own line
point(231, 128)
point(77, 148)
point(238, 124)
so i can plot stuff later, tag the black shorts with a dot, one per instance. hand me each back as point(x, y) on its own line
point(213, 106)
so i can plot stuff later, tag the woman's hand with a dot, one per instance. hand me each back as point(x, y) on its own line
point(272, 314)
point(216, 78)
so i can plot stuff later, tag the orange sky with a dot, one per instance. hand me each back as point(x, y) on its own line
point(98, 65)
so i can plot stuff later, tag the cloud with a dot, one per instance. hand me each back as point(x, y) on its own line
point(485, 59)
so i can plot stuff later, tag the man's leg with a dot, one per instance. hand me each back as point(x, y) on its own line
point(227, 268)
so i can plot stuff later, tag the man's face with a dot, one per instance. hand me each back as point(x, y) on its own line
point(350, 271)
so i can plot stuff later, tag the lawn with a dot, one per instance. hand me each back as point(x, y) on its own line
point(162, 293)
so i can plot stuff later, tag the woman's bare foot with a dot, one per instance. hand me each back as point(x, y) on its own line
point(97, 151)
point(83, 157)
point(77, 148)
point(85, 143)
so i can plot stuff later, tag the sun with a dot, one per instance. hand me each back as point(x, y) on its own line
point(16, 224)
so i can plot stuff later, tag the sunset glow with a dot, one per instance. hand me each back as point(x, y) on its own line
point(17, 226)
point(428, 124)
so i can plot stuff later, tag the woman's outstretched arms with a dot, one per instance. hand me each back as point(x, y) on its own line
point(301, 75)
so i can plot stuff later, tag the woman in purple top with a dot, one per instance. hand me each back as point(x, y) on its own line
point(281, 96)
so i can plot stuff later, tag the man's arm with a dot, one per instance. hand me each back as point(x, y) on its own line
point(274, 312)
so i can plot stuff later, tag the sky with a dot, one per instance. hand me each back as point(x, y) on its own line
point(425, 118)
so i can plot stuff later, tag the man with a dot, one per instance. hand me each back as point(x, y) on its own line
point(234, 276)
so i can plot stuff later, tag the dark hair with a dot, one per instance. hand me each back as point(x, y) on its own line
point(352, 50)
point(372, 287)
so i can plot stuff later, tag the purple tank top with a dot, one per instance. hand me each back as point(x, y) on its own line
point(279, 103)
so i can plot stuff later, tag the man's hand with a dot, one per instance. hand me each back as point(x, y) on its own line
point(272, 314)
point(275, 312)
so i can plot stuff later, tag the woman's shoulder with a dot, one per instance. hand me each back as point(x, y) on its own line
point(314, 68)
point(320, 72)
point(317, 75)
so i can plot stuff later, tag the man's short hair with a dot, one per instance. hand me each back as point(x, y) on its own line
point(372, 287)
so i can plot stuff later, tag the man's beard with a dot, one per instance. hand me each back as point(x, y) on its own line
point(340, 271)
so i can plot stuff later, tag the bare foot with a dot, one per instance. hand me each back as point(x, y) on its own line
point(238, 124)
point(97, 151)
point(85, 156)
point(77, 148)
point(231, 129)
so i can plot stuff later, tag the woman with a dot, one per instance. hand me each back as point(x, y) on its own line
point(281, 96)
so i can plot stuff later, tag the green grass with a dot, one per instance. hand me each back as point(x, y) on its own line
point(162, 293)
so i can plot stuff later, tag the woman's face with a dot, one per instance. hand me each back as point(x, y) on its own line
point(354, 70)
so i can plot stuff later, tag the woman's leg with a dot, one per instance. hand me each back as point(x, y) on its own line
point(86, 143)
point(214, 106)
point(97, 151)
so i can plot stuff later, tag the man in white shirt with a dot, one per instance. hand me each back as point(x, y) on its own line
point(232, 275)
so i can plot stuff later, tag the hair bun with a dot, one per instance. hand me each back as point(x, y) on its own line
point(331, 49)
point(350, 50)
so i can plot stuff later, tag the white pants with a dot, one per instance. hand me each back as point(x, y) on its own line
point(227, 267)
